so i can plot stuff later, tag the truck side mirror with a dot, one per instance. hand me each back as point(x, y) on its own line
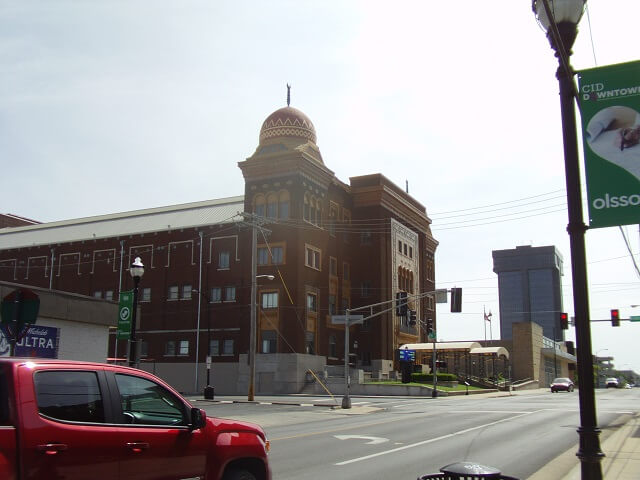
point(198, 419)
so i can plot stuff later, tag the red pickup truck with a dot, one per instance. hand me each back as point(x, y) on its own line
point(78, 420)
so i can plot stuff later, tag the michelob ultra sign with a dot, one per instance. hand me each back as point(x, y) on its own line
point(610, 110)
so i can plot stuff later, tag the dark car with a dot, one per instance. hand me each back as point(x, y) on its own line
point(562, 384)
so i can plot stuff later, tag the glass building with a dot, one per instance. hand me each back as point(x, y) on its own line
point(530, 288)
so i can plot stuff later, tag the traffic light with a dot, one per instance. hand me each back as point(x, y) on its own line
point(615, 317)
point(401, 304)
point(429, 325)
point(564, 321)
point(456, 300)
point(412, 318)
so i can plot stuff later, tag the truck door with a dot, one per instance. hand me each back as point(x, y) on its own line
point(158, 442)
point(64, 434)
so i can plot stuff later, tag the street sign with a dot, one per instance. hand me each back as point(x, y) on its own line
point(635, 318)
point(341, 319)
point(21, 305)
point(432, 335)
point(407, 355)
point(441, 295)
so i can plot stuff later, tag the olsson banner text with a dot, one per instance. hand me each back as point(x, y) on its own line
point(610, 110)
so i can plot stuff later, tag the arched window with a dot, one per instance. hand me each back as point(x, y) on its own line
point(312, 210)
point(259, 205)
point(306, 207)
point(272, 206)
point(283, 205)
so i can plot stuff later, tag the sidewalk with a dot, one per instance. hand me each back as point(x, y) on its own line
point(621, 461)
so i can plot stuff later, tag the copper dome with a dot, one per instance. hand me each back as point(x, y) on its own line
point(288, 122)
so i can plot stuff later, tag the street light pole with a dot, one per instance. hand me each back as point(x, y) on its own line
point(209, 389)
point(560, 19)
point(136, 270)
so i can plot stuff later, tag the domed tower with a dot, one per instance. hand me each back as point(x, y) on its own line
point(286, 171)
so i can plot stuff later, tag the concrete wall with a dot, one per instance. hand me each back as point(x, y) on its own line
point(276, 373)
point(526, 358)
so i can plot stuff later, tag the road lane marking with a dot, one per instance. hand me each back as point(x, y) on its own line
point(372, 440)
point(431, 440)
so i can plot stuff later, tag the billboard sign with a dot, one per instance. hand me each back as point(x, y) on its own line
point(610, 111)
point(407, 355)
point(39, 342)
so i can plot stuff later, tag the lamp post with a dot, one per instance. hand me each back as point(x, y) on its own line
point(559, 18)
point(209, 389)
point(136, 270)
point(253, 326)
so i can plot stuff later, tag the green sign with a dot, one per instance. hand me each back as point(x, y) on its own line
point(610, 110)
point(635, 318)
point(125, 310)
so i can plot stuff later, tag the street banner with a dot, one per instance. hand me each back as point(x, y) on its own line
point(125, 309)
point(39, 342)
point(610, 111)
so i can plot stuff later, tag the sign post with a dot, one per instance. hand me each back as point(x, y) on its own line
point(347, 320)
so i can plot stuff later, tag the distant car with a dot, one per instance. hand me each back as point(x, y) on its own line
point(612, 382)
point(562, 385)
point(628, 386)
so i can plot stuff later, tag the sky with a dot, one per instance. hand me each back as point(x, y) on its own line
point(118, 105)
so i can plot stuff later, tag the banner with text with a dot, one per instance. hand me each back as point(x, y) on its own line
point(39, 342)
point(125, 310)
point(610, 111)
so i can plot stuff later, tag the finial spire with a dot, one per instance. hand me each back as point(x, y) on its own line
point(288, 94)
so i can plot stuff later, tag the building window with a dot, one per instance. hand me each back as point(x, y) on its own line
point(108, 295)
point(146, 295)
point(333, 266)
point(332, 304)
point(405, 248)
point(283, 205)
point(269, 341)
point(272, 206)
point(312, 257)
point(263, 256)
point(365, 289)
point(229, 294)
point(259, 205)
point(269, 300)
point(277, 254)
point(399, 246)
point(173, 292)
point(346, 274)
point(144, 348)
point(214, 348)
point(216, 294)
point(227, 347)
point(312, 302)
point(410, 252)
point(223, 259)
point(333, 218)
point(333, 351)
point(186, 292)
point(170, 348)
point(184, 347)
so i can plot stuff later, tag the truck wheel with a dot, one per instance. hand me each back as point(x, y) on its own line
point(238, 475)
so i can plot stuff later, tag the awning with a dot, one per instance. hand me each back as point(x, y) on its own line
point(497, 351)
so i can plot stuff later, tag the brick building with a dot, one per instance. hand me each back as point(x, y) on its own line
point(329, 245)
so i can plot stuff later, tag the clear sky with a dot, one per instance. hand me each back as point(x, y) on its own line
point(116, 105)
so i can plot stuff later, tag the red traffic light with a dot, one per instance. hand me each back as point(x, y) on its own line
point(615, 317)
point(564, 321)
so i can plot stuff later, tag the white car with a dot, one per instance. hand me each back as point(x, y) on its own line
point(612, 382)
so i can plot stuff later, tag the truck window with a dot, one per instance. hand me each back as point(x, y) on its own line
point(147, 403)
point(69, 395)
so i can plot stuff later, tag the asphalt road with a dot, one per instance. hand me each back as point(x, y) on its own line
point(402, 438)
